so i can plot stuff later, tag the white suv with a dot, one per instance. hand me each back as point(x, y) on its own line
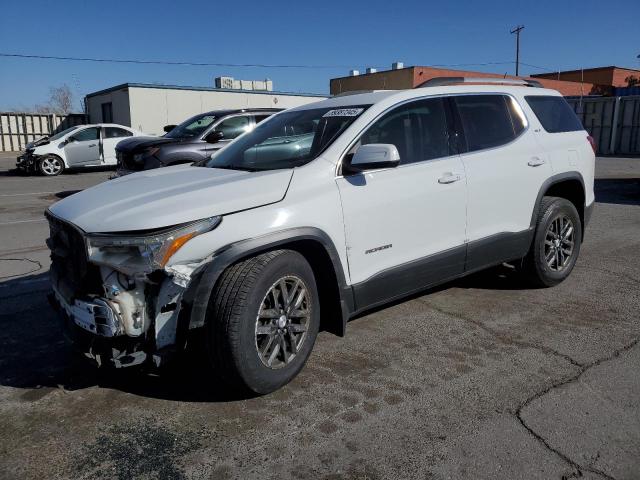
point(320, 213)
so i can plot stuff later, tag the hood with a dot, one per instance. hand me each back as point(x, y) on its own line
point(169, 196)
point(37, 143)
point(139, 143)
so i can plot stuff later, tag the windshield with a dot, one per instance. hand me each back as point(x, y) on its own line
point(193, 127)
point(62, 133)
point(286, 140)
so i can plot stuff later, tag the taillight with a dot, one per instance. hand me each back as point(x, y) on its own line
point(592, 142)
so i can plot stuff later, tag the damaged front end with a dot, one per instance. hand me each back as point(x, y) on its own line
point(122, 304)
point(28, 161)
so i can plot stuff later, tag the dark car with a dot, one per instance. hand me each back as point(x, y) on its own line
point(193, 140)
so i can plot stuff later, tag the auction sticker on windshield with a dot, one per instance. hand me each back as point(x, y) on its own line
point(344, 112)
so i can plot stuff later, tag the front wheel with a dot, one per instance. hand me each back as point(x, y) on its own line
point(262, 321)
point(50, 166)
point(556, 243)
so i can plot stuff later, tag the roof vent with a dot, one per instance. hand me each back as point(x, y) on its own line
point(371, 70)
point(354, 73)
point(397, 65)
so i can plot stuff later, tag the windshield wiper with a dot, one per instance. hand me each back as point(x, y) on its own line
point(235, 167)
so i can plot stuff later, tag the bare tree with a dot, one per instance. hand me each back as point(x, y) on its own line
point(60, 99)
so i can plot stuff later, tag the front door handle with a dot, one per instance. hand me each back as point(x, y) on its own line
point(449, 178)
point(535, 162)
point(92, 145)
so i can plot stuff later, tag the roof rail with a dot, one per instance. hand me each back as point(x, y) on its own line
point(352, 92)
point(442, 81)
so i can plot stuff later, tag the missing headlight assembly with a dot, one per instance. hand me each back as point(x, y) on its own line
point(118, 290)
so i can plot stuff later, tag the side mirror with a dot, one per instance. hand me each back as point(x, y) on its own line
point(168, 128)
point(373, 156)
point(214, 137)
point(69, 140)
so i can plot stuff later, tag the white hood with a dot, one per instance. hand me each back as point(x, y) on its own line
point(170, 196)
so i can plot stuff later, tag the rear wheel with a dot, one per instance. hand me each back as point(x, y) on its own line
point(263, 320)
point(556, 243)
point(51, 166)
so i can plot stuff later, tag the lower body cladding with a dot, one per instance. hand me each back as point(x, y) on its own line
point(134, 321)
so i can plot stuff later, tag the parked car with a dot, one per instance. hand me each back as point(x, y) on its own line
point(76, 147)
point(382, 195)
point(193, 140)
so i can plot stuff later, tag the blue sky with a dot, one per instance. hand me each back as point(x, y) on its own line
point(558, 34)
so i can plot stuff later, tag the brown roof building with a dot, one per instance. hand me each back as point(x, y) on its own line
point(611, 76)
point(410, 77)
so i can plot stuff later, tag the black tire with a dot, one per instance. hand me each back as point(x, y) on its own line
point(233, 341)
point(50, 165)
point(538, 270)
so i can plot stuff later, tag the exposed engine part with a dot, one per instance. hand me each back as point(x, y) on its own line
point(130, 303)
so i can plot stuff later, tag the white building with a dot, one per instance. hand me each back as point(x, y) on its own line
point(149, 108)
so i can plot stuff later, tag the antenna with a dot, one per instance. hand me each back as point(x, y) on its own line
point(517, 31)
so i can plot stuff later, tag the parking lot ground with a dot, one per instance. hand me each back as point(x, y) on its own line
point(480, 378)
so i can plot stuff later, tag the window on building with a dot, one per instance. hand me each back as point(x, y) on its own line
point(418, 130)
point(113, 132)
point(486, 120)
point(554, 114)
point(107, 112)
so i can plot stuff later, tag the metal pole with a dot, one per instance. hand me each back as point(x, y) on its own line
point(517, 31)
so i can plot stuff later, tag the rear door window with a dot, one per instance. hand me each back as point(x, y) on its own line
point(554, 113)
point(259, 118)
point(113, 132)
point(488, 121)
point(233, 127)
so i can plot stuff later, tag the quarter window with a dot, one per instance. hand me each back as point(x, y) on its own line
point(554, 114)
point(418, 130)
point(489, 120)
point(112, 132)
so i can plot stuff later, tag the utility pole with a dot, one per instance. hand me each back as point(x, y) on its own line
point(517, 31)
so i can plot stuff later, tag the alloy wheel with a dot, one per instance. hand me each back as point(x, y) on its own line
point(51, 165)
point(282, 322)
point(559, 242)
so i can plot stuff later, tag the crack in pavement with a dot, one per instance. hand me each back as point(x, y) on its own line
point(35, 262)
point(503, 338)
point(615, 354)
point(582, 368)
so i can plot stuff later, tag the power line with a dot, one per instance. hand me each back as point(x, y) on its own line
point(165, 62)
point(218, 64)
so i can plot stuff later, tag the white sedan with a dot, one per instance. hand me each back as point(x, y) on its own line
point(76, 147)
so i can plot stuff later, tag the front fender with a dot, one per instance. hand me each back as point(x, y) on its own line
point(202, 286)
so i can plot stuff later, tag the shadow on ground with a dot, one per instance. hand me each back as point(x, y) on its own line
point(622, 191)
point(36, 356)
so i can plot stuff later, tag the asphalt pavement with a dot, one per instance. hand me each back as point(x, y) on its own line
point(480, 378)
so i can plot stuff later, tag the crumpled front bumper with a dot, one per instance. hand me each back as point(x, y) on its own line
point(27, 162)
point(104, 351)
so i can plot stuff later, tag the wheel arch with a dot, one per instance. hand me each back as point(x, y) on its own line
point(568, 185)
point(336, 297)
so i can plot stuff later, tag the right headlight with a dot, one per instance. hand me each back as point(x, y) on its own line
point(144, 253)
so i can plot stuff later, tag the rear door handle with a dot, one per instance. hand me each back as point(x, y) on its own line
point(449, 178)
point(535, 162)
